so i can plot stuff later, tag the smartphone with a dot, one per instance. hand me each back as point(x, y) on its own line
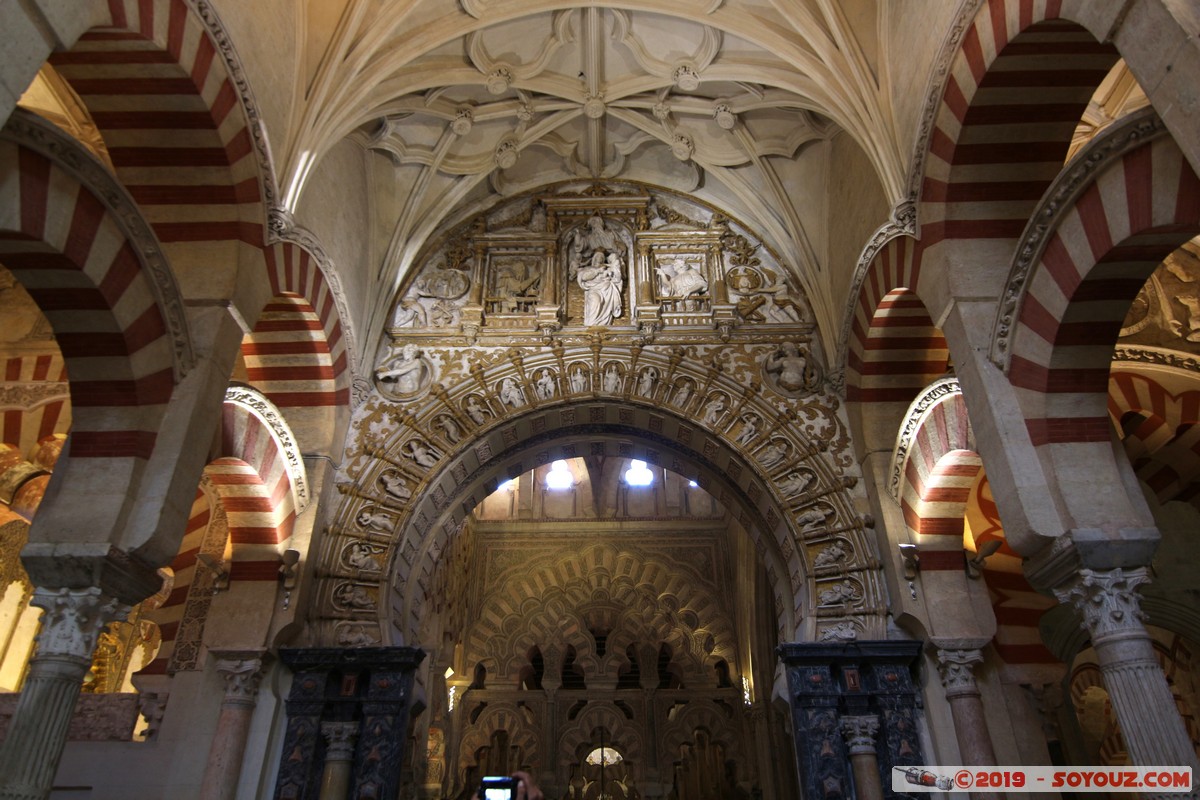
point(498, 787)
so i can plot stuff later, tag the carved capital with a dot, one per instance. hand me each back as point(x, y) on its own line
point(242, 671)
point(1107, 599)
point(73, 620)
point(339, 740)
point(957, 670)
point(859, 733)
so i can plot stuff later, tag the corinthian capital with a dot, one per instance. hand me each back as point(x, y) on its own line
point(957, 670)
point(73, 620)
point(1107, 599)
point(242, 672)
point(859, 733)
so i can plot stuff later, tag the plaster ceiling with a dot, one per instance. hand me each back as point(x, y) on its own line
point(728, 101)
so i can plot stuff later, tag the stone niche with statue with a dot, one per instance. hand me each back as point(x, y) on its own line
point(596, 257)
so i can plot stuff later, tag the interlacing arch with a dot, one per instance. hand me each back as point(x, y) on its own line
point(499, 716)
point(703, 715)
point(1075, 294)
point(397, 501)
point(578, 737)
point(76, 241)
point(181, 141)
point(989, 158)
point(1160, 430)
point(642, 599)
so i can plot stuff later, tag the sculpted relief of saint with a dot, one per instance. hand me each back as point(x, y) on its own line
point(594, 262)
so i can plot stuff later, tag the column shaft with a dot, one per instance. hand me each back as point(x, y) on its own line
point(228, 747)
point(37, 734)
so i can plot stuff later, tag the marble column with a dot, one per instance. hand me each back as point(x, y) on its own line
point(242, 671)
point(1154, 732)
point(339, 755)
point(70, 626)
point(859, 733)
point(957, 669)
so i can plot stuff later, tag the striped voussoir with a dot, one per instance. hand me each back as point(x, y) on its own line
point(185, 588)
point(1017, 606)
point(939, 470)
point(1017, 88)
point(163, 100)
point(49, 412)
point(70, 253)
point(296, 354)
point(1161, 434)
point(895, 349)
point(1136, 211)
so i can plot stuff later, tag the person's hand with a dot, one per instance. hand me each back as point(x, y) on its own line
point(527, 788)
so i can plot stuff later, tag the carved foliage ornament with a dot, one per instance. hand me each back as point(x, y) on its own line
point(73, 620)
point(935, 393)
point(264, 409)
point(957, 670)
point(1107, 599)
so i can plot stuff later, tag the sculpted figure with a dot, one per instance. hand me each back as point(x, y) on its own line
point(681, 279)
point(713, 410)
point(612, 379)
point(602, 284)
point(354, 636)
point(449, 428)
point(511, 394)
point(749, 429)
point(795, 483)
point(831, 556)
point(837, 594)
point(787, 365)
point(377, 521)
point(359, 555)
point(774, 453)
point(410, 314)
point(683, 394)
point(578, 381)
point(476, 411)
point(422, 453)
point(646, 382)
point(395, 486)
point(350, 595)
point(812, 518)
point(545, 385)
point(406, 371)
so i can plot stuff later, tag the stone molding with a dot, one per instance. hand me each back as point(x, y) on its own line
point(1157, 356)
point(73, 620)
point(258, 405)
point(1133, 131)
point(237, 75)
point(932, 395)
point(935, 90)
point(1107, 599)
point(28, 130)
point(32, 394)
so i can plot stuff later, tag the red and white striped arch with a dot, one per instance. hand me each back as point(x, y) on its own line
point(26, 423)
point(297, 353)
point(77, 244)
point(1017, 606)
point(894, 348)
point(1161, 432)
point(933, 469)
point(1137, 210)
point(172, 118)
point(1017, 88)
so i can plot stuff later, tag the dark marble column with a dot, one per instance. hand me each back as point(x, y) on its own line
point(370, 687)
point(833, 681)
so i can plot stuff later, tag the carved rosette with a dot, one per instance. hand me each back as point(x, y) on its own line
point(73, 620)
point(859, 733)
point(957, 671)
point(1107, 599)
